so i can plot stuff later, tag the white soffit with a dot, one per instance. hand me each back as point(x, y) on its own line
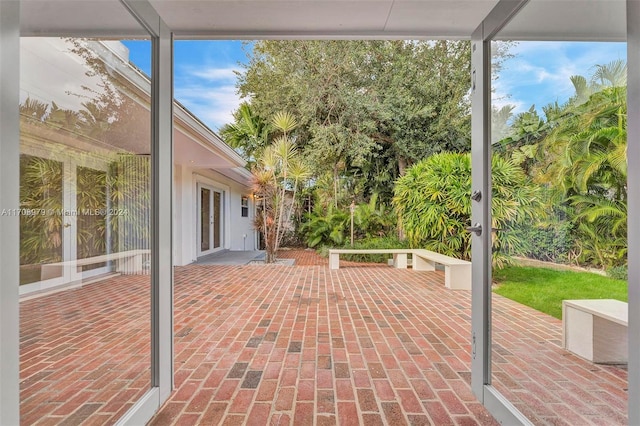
point(324, 18)
point(577, 20)
point(232, 19)
point(89, 18)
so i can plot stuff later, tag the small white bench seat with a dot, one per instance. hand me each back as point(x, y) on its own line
point(596, 329)
point(457, 272)
point(129, 262)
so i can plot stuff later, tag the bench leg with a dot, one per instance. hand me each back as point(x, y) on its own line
point(400, 260)
point(131, 265)
point(457, 277)
point(50, 271)
point(334, 261)
point(422, 264)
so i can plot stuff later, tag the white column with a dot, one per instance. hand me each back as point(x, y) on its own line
point(633, 185)
point(480, 212)
point(161, 214)
point(162, 157)
point(500, 407)
point(9, 224)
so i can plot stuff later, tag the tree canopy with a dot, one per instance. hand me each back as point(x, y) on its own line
point(366, 109)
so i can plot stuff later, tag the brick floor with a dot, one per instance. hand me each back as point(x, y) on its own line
point(305, 345)
point(84, 353)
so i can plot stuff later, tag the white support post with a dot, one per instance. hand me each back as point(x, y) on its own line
point(400, 260)
point(633, 188)
point(422, 263)
point(334, 261)
point(481, 245)
point(161, 214)
point(9, 223)
point(480, 212)
point(162, 157)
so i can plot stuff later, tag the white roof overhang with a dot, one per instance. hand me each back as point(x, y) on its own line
point(408, 19)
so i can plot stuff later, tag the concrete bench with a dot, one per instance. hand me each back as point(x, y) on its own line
point(130, 262)
point(399, 256)
point(457, 272)
point(596, 329)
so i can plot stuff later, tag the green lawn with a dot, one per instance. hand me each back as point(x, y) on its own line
point(545, 289)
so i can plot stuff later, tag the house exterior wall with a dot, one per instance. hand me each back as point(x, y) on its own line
point(238, 231)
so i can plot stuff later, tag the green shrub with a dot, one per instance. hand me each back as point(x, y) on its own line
point(333, 227)
point(433, 204)
point(327, 229)
point(374, 243)
point(618, 273)
point(549, 243)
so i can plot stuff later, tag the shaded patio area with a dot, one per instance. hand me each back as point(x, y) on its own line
point(366, 344)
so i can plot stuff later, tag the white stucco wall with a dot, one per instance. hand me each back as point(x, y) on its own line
point(238, 232)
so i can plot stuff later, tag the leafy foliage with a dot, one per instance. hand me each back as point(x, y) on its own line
point(279, 169)
point(328, 229)
point(248, 134)
point(332, 227)
point(433, 205)
point(366, 109)
point(579, 151)
point(551, 242)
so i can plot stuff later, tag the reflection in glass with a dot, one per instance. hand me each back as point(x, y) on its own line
point(205, 215)
point(217, 204)
point(92, 220)
point(41, 235)
point(564, 128)
point(85, 230)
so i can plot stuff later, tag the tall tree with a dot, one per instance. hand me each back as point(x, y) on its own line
point(367, 109)
point(276, 178)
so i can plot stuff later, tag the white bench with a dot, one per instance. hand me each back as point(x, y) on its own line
point(596, 329)
point(130, 262)
point(457, 272)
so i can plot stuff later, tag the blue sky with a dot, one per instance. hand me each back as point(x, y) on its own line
point(540, 71)
point(204, 78)
point(538, 74)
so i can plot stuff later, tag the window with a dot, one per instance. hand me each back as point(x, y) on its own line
point(245, 206)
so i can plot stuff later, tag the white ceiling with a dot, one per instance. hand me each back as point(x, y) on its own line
point(329, 18)
point(451, 19)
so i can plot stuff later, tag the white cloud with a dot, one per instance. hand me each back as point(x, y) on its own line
point(209, 92)
point(214, 105)
point(214, 74)
point(540, 72)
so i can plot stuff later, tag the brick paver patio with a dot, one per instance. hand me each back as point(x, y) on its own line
point(303, 345)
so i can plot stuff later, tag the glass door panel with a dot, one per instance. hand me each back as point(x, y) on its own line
point(42, 241)
point(217, 222)
point(85, 135)
point(559, 219)
point(205, 220)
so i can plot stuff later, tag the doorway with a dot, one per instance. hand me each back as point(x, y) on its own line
point(209, 220)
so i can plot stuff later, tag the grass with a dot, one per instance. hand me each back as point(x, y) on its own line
point(545, 289)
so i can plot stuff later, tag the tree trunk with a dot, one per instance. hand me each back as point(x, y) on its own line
point(335, 186)
point(402, 166)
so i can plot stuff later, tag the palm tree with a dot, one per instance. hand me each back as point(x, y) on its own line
point(584, 158)
point(279, 170)
point(249, 134)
